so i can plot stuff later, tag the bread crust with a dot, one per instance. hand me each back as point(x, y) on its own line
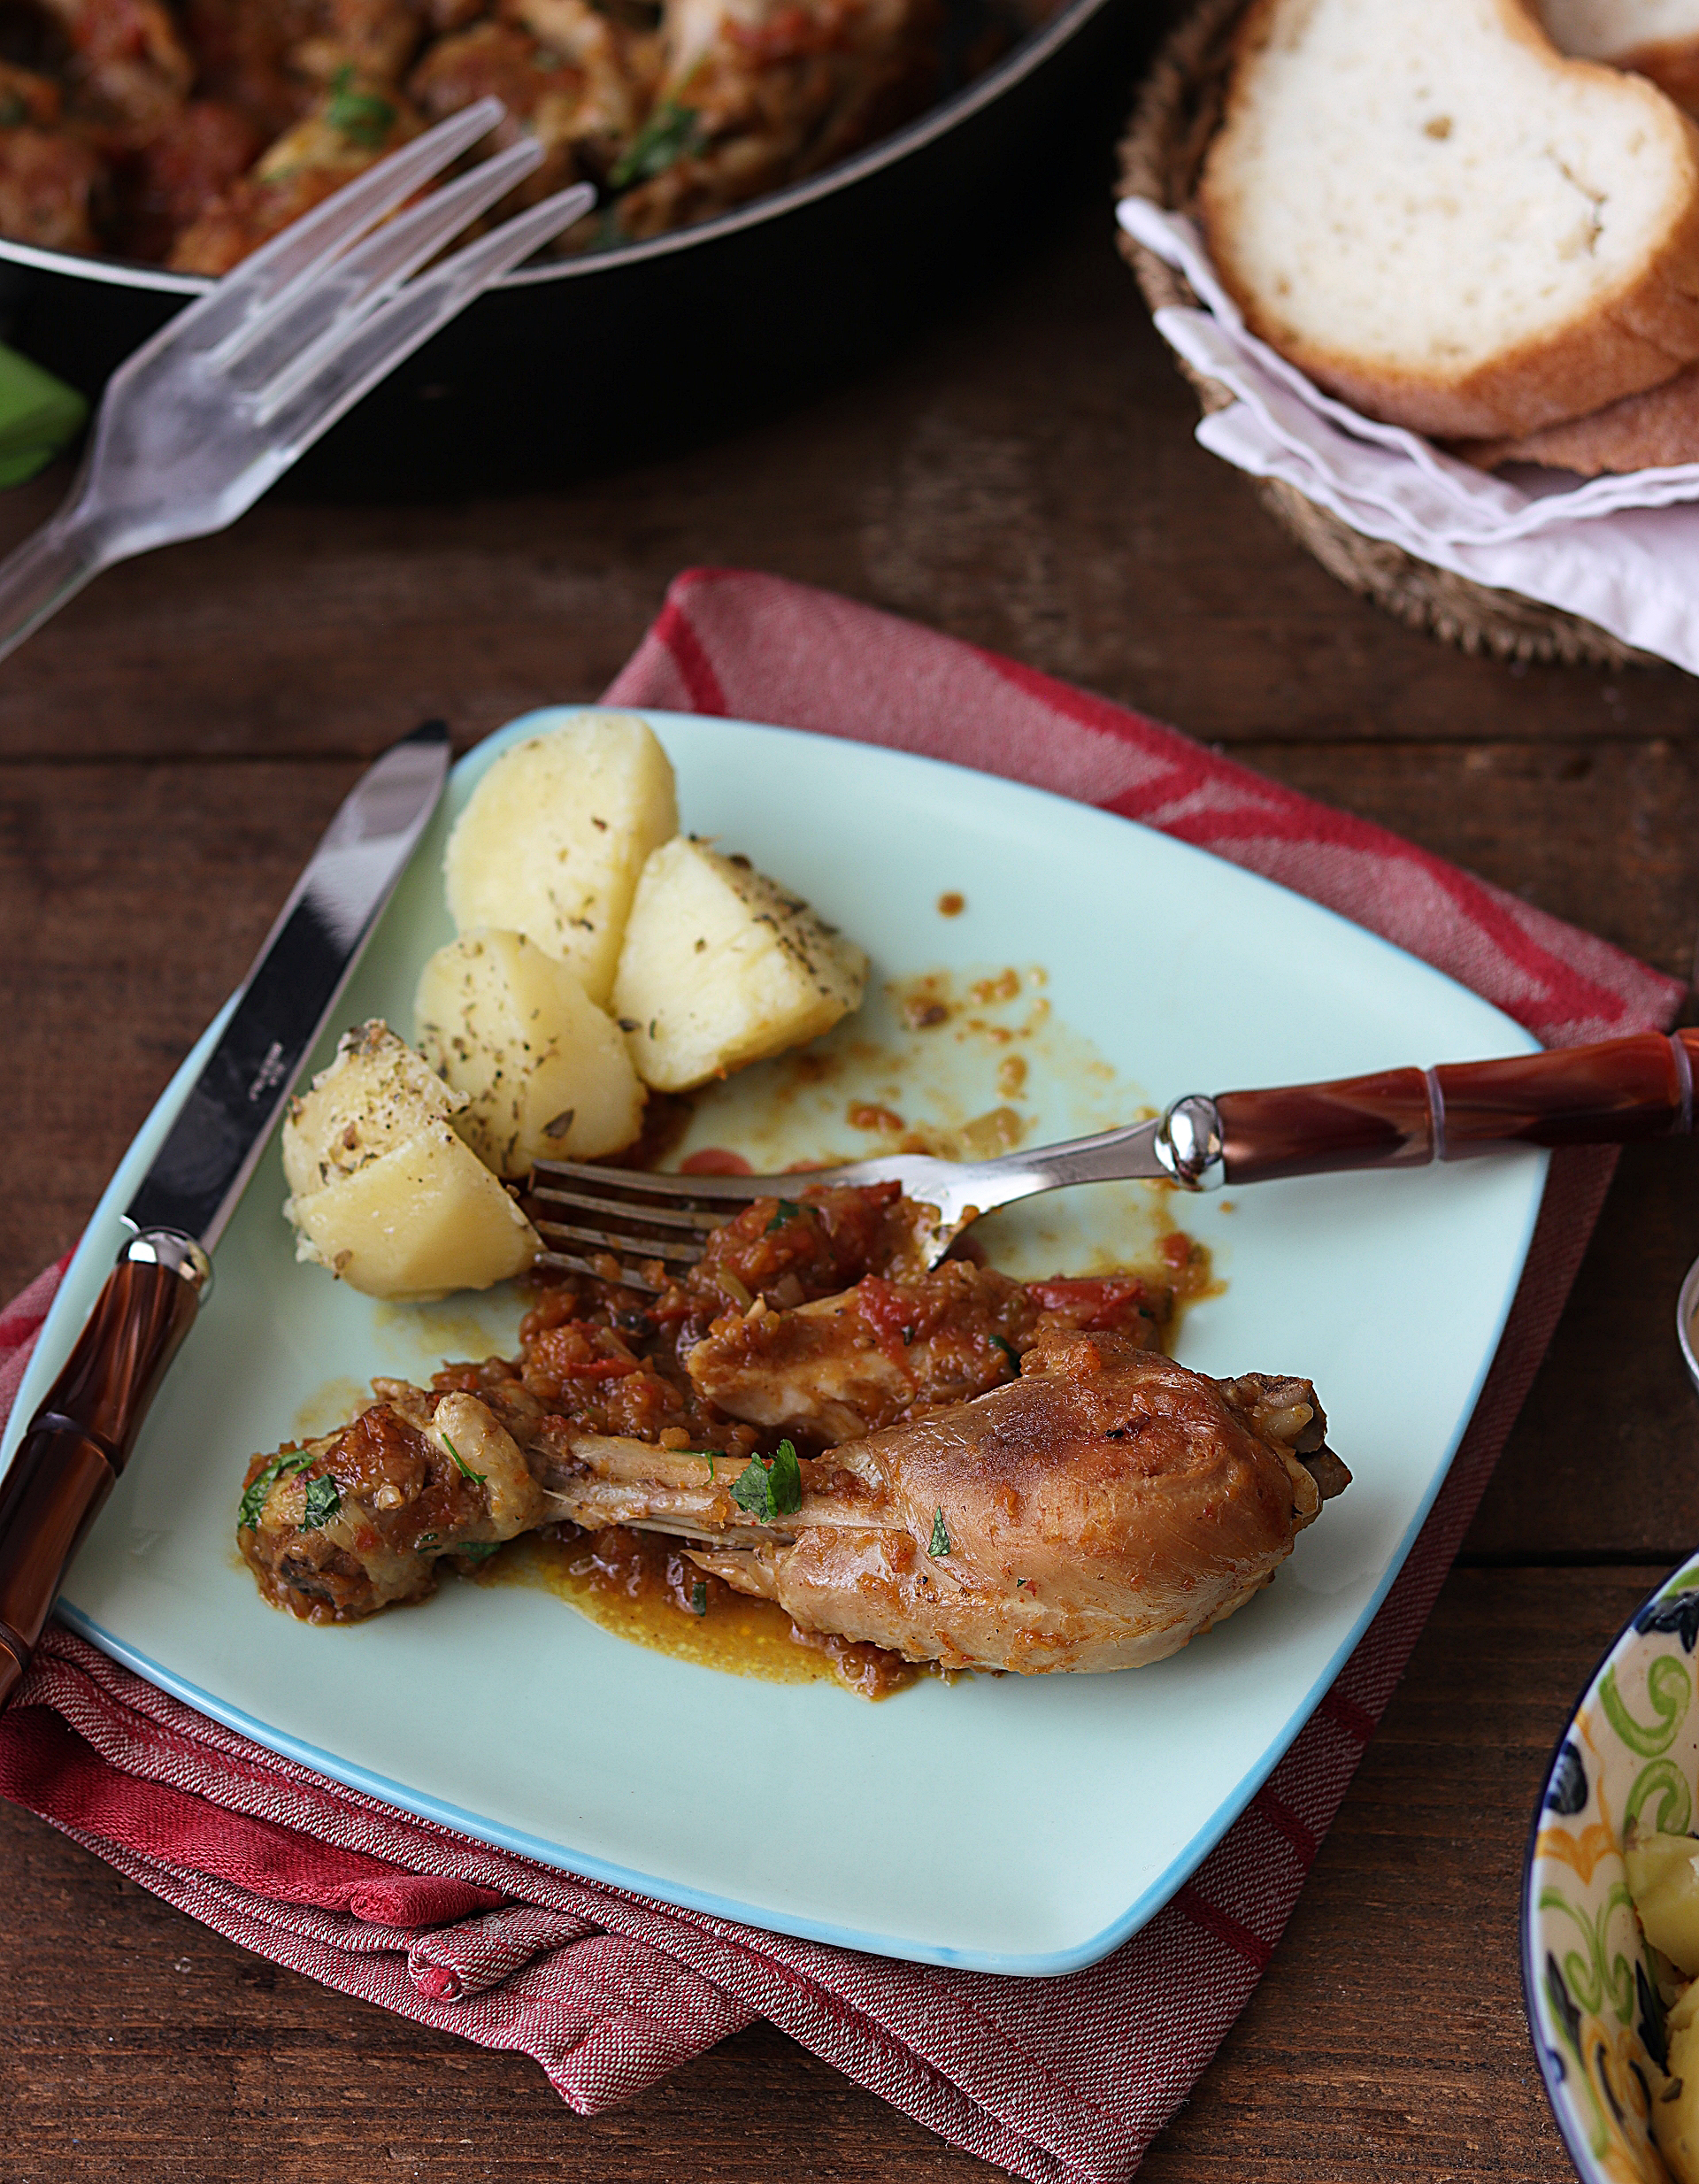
point(1651, 431)
point(1673, 65)
point(1633, 338)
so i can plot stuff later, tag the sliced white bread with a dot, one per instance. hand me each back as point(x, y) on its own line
point(1656, 38)
point(1653, 431)
point(1444, 220)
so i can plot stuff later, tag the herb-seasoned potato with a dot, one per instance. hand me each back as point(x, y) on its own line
point(555, 835)
point(1675, 2111)
point(1663, 1880)
point(722, 965)
point(383, 1191)
point(546, 1072)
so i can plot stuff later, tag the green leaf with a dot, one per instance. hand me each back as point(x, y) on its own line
point(361, 116)
point(478, 1550)
point(254, 1498)
point(324, 1500)
point(461, 1464)
point(670, 134)
point(769, 1487)
point(699, 1598)
point(1009, 1353)
point(787, 1213)
point(940, 1544)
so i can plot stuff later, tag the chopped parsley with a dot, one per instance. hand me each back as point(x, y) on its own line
point(362, 117)
point(771, 1488)
point(254, 1498)
point(787, 1213)
point(670, 134)
point(1009, 1353)
point(478, 1550)
point(461, 1463)
point(323, 1501)
point(699, 1598)
point(939, 1543)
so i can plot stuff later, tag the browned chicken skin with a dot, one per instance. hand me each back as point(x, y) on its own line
point(1025, 1483)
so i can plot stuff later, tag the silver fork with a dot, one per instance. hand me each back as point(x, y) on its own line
point(636, 1218)
point(213, 410)
point(1610, 1093)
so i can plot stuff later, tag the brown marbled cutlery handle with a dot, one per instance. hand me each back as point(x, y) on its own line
point(80, 1438)
point(1605, 1095)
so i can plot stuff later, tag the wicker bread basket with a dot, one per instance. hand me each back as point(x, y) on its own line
point(1178, 112)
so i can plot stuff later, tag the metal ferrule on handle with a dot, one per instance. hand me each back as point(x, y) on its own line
point(80, 1440)
point(1614, 1093)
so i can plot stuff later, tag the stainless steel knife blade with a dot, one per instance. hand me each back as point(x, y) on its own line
point(81, 1437)
point(200, 1171)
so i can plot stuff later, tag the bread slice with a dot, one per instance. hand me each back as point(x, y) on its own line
point(1656, 38)
point(1444, 220)
point(1653, 431)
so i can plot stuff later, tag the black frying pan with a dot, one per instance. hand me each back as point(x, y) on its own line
point(577, 364)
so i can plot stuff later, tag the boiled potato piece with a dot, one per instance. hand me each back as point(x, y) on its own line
point(382, 1190)
point(1663, 1880)
point(544, 1070)
point(722, 965)
point(555, 835)
point(1675, 2110)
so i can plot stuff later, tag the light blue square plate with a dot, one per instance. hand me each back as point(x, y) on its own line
point(1010, 1826)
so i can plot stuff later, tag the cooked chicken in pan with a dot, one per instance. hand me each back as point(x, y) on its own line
point(189, 131)
point(953, 1467)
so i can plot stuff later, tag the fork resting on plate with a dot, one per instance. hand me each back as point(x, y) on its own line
point(1617, 1091)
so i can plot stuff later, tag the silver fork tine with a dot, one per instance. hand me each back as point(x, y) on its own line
point(639, 1247)
point(241, 300)
point(302, 403)
point(670, 1189)
point(663, 1216)
point(364, 277)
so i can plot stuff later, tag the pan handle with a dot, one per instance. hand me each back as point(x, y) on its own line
point(1611, 1093)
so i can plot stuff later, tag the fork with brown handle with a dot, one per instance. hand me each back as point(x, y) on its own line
point(213, 410)
point(1619, 1091)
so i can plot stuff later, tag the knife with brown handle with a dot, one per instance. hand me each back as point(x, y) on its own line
point(80, 1438)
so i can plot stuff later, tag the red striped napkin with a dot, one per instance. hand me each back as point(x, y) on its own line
point(1064, 2079)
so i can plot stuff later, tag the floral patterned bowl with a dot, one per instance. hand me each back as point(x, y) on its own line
point(1631, 1754)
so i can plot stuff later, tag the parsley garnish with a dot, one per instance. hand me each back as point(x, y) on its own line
point(461, 1464)
point(769, 1488)
point(253, 1500)
point(786, 1212)
point(670, 134)
point(940, 1541)
point(699, 1598)
point(1009, 1353)
point(361, 116)
point(323, 1501)
point(478, 1550)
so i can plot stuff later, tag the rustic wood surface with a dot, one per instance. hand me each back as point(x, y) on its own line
point(1021, 472)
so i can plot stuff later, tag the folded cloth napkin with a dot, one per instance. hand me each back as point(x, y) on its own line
point(1064, 2079)
point(1622, 551)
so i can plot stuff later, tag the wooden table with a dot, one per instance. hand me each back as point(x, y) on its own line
point(1021, 473)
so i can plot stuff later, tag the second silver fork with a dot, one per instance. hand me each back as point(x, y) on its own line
point(211, 411)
